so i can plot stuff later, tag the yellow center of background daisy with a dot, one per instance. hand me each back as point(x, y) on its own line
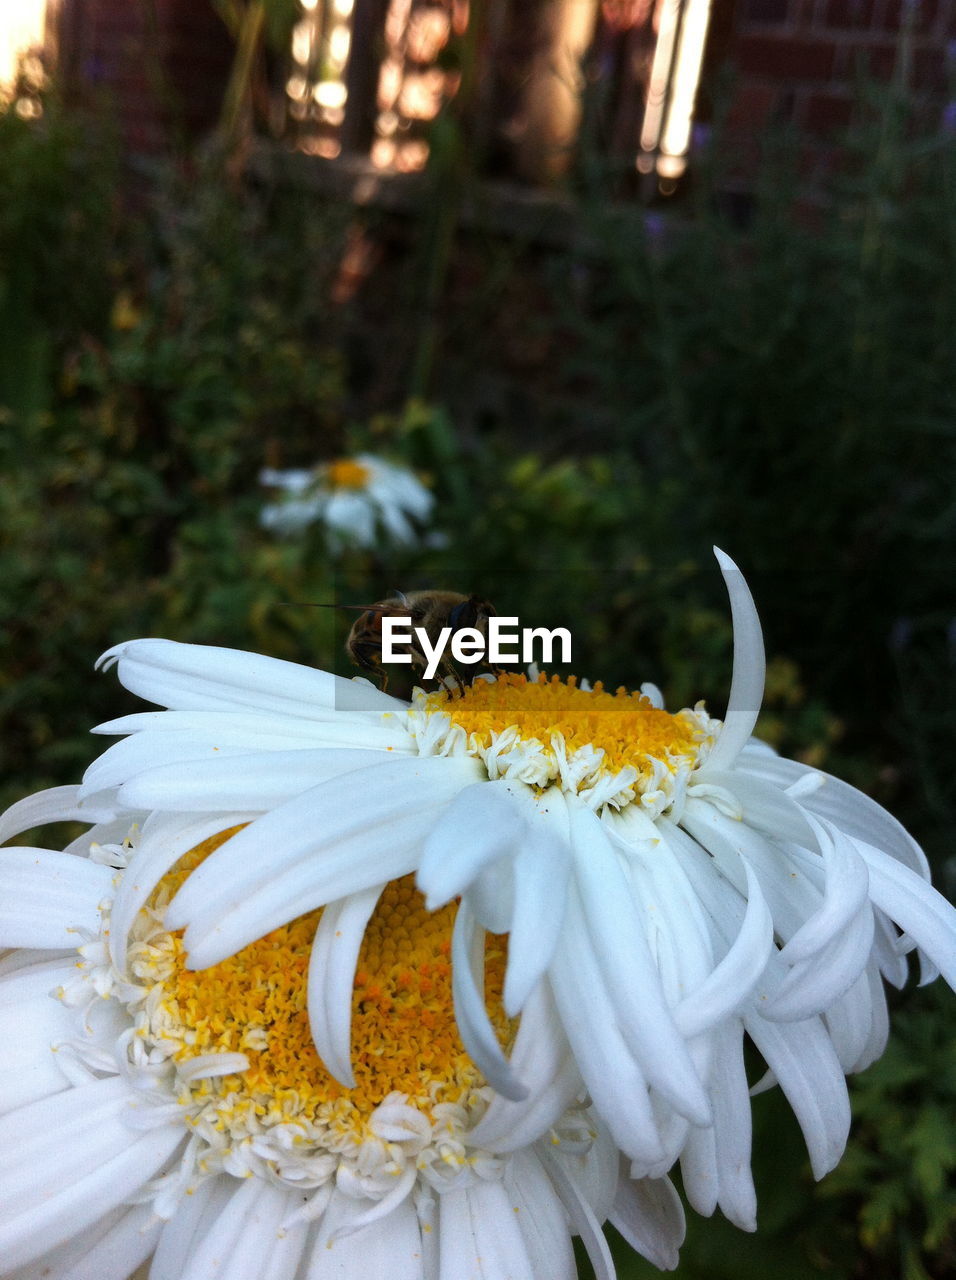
point(404, 1036)
point(625, 725)
point(346, 473)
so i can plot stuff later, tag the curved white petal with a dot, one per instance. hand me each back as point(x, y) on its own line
point(542, 1059)
point(479, 1235)
point(540, 1217)
point(257, 782)
point(733, 979)
point(57, 804)
point(195, 677)
point(46, 896)
point(915, 906)
point(31, 1023)
point(846, 807)
point(164, 839)
point(389, 1247)
point(477, 1033)
point(607, 1065)
point(804, 1062)
point(583, 1220)
point(649, 1215)
point(238, 1243)
point(194, 1215)
point(339, 838)
point(332, 979)
point(746, 689)
point(483, 823)
point(70, 1160)
point(628, 970)
point(845, 893)
point(111, 1249)
point(542, 868)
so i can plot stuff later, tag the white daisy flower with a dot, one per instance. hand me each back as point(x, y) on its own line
point(670, 882)
point(152, 1112)
point(357, 499)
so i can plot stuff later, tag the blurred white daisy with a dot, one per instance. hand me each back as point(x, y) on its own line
point(356, 499)
point(671, 883)
point(152, 1112)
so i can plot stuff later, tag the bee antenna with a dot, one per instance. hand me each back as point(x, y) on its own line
point(312, 604)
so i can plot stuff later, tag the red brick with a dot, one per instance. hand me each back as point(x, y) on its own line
point(765, 12)
point(923, 16)
point(849, 14)
point(826, 113)
point(785, 59)
point(752, 107)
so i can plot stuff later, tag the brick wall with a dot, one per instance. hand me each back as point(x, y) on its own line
point(164, 63)
point(799, 60)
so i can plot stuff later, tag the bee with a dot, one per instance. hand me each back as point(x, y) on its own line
point(432, 611)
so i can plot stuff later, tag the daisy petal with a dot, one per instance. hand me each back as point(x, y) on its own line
point(71, 1159)
point(915, 906)
point(479, 1235)
point(31, 1023)
point(629, 971)
point(195, 1214)
point(111, 1249)
point(649, 1215)
point(45, 897)
point(804, 1063)
point(58, 804)
point(541, 1217)
point(746, 688)
point(483, 823)
point(477, 1033)
point(238, 1243)
point(332, 977)
point(194, 677)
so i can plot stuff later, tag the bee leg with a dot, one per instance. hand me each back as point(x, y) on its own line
point(448, 668)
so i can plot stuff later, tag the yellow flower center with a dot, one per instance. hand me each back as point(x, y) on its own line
point(346, 473)
point(625, 726)
point(404, 1036)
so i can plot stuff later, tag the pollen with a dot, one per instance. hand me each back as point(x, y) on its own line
point(626, 726)
point(404, 1036)
point(346, 473)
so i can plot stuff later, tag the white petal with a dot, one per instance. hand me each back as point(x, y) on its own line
point(238, 1244)
point(649, 1215)
point(629, 972)
point(70, 1160)
point(111, 1249)
point(613, 1077)
point(542, 1059)
point(746, 689)
point(474, 1025)
point(483, 823)
point(31, 1023)
point(813, 985)
point(583, 1221)
point(332, 979)
point(732, 981)
point(46, 896)
point(845, 806)
point(541, 870)
point(732, 1128)
point(259, 782)
point(915, 906)
point(195, 677)
point(479, 1236)
point(389, 1248)
point(194, 1215)
point(339, 838)
point(540, 1217)
point(803, 1060)
point(58, 804)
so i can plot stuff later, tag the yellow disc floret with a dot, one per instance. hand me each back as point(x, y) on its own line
point(346, 473)
point(606, 749)
point(404, 1036)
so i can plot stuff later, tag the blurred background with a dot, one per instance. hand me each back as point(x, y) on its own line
point(614, 280)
